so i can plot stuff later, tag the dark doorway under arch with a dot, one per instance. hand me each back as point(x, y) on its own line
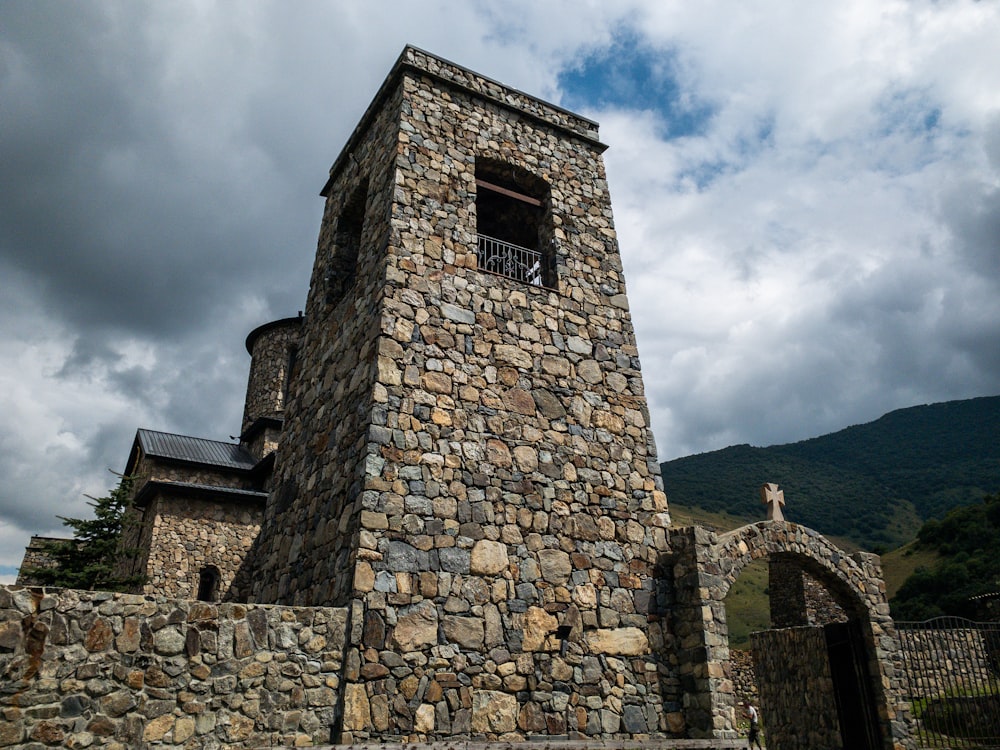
point(209, 581)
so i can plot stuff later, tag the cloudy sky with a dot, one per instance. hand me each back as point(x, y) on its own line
point(807, 197)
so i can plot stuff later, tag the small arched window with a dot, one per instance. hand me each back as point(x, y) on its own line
point(209, 580)
point(291, 367)
point(347, 242)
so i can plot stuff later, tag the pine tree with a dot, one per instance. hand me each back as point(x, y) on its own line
point(91, 559)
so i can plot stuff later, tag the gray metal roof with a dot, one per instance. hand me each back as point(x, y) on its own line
point(195, 450)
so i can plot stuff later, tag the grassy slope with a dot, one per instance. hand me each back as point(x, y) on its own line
point(900, 563)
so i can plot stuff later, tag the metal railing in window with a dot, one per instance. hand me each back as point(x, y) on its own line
point(512, 261)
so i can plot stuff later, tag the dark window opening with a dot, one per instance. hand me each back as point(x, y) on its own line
point(347, 241)
point(514, 224)
point(208, 584)
point(290, 372)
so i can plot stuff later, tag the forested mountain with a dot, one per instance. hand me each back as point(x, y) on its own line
point(873, 483)
point(966, 541)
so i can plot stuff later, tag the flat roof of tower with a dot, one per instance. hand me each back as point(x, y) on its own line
point(261, 329)
point(452, 74)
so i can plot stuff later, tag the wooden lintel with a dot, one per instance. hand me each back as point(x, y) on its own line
point(508, 193)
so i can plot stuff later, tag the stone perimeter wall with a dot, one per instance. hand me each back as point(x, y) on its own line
point(36, 556)
point(795, 663)
point(96, 669)
point(939, 660)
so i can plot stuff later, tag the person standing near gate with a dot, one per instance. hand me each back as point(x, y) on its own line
point(754, 735)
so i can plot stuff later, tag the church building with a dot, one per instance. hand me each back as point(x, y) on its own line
point(451, 449)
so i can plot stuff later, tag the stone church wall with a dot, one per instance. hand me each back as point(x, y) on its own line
point(127, 671)
point(153, 470)
point(186, 535)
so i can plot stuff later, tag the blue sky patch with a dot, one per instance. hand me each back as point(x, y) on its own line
point(908, 111)
point(632, 75)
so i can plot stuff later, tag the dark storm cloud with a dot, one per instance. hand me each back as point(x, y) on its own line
point(87, 354)
point(134, 218)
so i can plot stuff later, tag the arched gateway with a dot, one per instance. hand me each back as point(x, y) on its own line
point(830, 674)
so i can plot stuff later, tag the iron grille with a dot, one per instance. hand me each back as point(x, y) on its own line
point(952, 666)
point(512, 261)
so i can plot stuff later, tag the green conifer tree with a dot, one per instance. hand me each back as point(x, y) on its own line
point(91, 559)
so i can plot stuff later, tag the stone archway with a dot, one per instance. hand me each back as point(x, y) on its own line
point(706, 565)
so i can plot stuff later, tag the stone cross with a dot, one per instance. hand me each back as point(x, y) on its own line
point(773, 498)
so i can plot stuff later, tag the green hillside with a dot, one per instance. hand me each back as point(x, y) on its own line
point(964, 565)
point(873, 484)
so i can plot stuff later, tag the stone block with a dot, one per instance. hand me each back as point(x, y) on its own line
point(416, 627)
point(630, 641)
point(488, 558)
point(493, 712)
point(156, 729)
point(467, 632)
point(538, 627)
point(554, 565)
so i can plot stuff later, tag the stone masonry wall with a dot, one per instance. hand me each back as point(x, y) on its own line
point(187, 535)
point(939, 661)
point(151, 469)
point(792, 663)
point(263, 442)
point(82, 669)
point(305, 554)
point(744, 679)
point(797, 598)
point(705, 567)
point(468, 459)
point(511, 487)
point(36, 556)
point(270, 345)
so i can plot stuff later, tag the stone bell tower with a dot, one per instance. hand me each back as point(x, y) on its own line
point(467, 461)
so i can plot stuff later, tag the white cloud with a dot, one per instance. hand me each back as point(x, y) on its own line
point(795, 265)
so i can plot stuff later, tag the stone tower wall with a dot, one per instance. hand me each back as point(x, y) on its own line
point(305, 552)
point(467, 459)
point(512, 491)
point(269, 346)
